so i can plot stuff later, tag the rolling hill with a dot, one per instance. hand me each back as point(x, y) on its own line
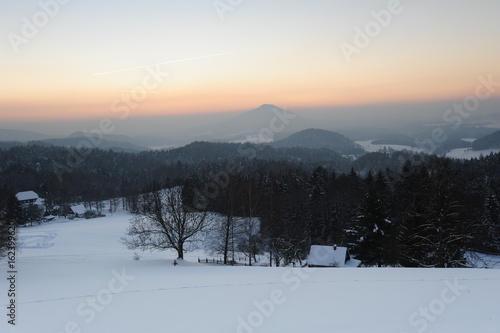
point(320, 139)
point(83, 142)
point(491, 141)
point(20, 135)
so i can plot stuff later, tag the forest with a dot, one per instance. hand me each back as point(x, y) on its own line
point(389, 209)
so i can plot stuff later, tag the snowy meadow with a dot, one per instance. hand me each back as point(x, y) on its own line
point(76, 276)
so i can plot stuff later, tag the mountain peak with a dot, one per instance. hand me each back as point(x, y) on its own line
point(247, 125)
point(265, 108)
point(262, 114)
point(20, 135)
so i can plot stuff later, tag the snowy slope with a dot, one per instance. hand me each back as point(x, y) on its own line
point(468, 153)
point(76, 277)
point(371, 147)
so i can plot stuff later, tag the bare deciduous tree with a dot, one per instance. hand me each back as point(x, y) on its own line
point(164, 223)
point(248, 237)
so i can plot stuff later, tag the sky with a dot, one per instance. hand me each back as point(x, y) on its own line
point(79, 60)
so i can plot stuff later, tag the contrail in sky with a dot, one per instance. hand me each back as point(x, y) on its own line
point(127, 91)
point(164, 63)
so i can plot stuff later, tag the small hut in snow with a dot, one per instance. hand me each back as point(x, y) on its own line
point(328, 256)
point(78, 210)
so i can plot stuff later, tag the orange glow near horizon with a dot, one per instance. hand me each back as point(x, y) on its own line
point(239, 64)
point(72, 104)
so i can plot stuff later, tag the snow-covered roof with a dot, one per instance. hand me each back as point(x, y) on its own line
point(26, 195)
point(328, 256)
point(39, 202)
point(78, 209)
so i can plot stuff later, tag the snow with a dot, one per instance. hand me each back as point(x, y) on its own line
point(75, 276)
point(459, 153)
point(469, 139)
point(26, 195)
point(255, 138)
point(468, 153)
point(79, 209)
point(39, 202)
point(482, 260)
point(370, 147)
point(327, 256)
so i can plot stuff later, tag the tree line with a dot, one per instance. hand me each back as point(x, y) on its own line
point(388, 208)
point(431, 213)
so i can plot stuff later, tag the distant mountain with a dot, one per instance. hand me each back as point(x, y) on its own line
point(318, 139)
point(485, 119)
point(20, 135)
point(108, 137)
point(84, 142)
point(491, 141)
point(141, 142)
point(157, 142)
point(265, 123)
point(10, 144)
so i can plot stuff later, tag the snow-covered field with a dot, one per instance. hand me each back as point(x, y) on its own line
point(75, 276)
point(468, 153)
point(459, 153)
point(374, 148)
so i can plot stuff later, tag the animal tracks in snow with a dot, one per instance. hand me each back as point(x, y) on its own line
point(247, 284)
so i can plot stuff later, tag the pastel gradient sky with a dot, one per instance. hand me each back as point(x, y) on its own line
point(283, 52)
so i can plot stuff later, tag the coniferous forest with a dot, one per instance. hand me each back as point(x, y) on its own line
point(389, 209)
